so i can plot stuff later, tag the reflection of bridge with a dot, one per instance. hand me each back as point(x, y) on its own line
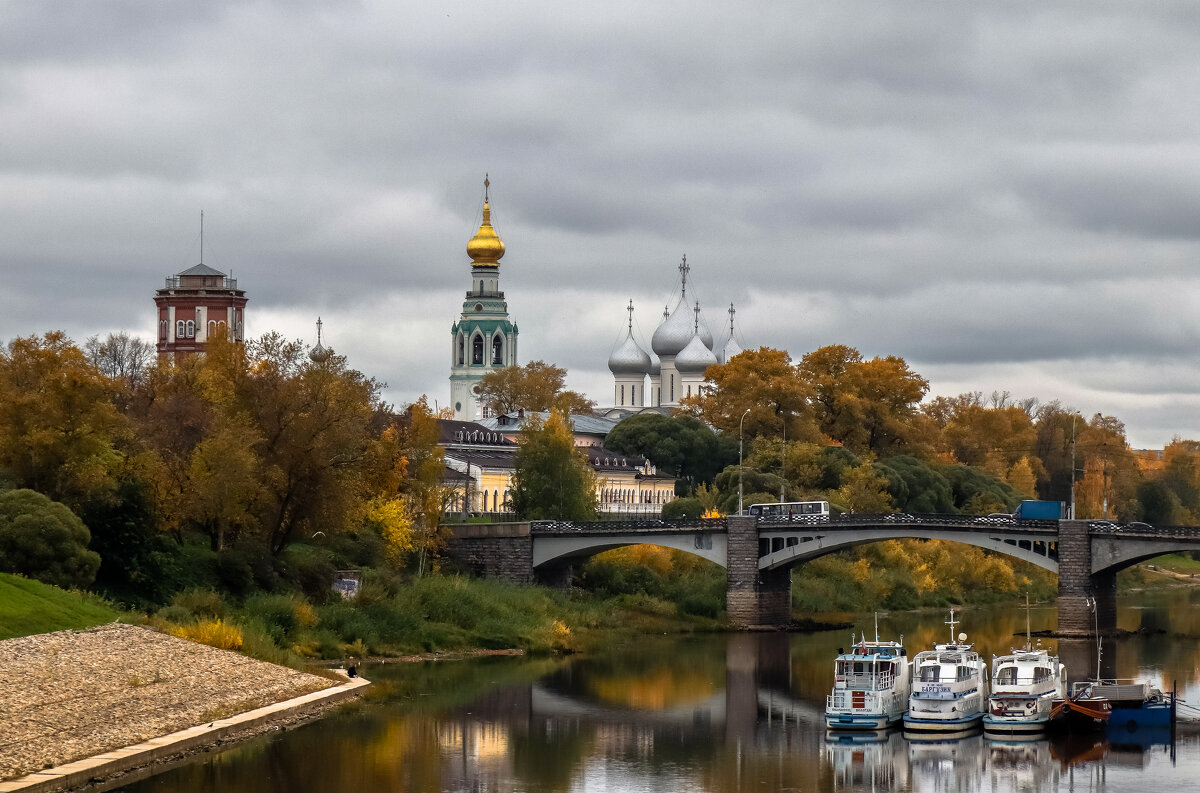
point(759, 554)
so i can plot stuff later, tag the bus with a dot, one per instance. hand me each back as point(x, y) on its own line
point(812, 510)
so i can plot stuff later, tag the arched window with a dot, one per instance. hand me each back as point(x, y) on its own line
point(481, 287)
point(495, 501)
point(497, 349)
point(180, 329)
point(477, 349)
point(672, 391)
point(191, 329)
point(212, 328)
point(622, 395)
point(462, 350)
point(632, 395)
point(162, 330)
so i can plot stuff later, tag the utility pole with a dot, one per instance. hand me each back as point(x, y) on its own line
point(741, 437)
point(1071, 512)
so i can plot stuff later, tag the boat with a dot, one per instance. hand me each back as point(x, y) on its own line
point(1025, 685)
point(870, 687)
point(949, 688)
point(1083, 709)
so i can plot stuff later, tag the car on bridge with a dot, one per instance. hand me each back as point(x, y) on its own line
point(996, 519)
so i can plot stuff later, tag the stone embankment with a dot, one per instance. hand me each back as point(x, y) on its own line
point(75, 694)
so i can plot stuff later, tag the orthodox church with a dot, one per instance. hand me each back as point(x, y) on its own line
point(684, 348)
point(483, 339)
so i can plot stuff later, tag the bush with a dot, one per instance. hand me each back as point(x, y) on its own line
point(200, 603)
point(281, 616)
point(43, 539)
point(682, 507)
point(215, 633)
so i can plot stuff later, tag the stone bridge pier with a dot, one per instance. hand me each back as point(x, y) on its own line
point(1086, 603)
point(753, 596)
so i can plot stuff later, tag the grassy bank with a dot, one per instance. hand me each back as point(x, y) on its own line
point(28, 607)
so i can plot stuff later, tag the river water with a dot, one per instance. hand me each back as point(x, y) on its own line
point(714, 713)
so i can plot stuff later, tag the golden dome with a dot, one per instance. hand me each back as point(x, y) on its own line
point(486, 248)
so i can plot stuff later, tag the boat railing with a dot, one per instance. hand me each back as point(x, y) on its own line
point(1022, 680)
point(867, 682)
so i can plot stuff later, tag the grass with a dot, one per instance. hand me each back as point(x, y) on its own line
point(28, 607)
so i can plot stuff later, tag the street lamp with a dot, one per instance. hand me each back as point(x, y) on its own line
point(741, 435)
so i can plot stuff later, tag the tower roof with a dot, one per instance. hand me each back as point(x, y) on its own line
point(629, 357)
point(486, 248)
point(695, 357)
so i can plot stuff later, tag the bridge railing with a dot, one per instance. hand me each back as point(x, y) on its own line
point(651, 524)
point(854, 520)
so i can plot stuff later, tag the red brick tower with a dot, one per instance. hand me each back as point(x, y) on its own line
point(195, 306)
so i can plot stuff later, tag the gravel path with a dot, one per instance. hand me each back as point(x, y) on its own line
point(73, 694)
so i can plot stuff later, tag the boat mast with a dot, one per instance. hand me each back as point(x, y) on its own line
point(1028, 641)
point(951, 623)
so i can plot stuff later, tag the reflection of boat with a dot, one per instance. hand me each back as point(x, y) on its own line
point(876, 761)
point(870, 688)
point(1025, 685)
point(949, 687)
point(1081, 709)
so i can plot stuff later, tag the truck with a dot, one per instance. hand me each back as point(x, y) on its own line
point(1040, 510)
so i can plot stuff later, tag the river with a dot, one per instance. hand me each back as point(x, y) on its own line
point(735, 712)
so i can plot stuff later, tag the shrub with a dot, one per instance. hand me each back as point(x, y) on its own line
point(281, 616)
point(200, 603)
point(215, 633)
point(43, 539)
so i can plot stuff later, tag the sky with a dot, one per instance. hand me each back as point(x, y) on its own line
point(1006, 195)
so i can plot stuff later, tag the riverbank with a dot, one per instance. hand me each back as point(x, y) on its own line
point(72, 695)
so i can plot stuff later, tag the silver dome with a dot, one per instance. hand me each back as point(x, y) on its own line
point(695, 357)
point(730, 349)
point(629, 358)
point(677, 330)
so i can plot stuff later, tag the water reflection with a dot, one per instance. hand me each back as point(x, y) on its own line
point(721, 713)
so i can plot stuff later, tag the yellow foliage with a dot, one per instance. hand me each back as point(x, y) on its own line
point(862, 570)
point(215, 633)
point(305, 615)
point(712, 512)
point(394, 522)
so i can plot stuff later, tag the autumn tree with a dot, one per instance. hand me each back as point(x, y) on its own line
point(1108, 487)
point(423, 462)
point(552, 479)
point(764, 382)
point(59, 430)
point(866, 405)
point(121, 357)
point(537, 386)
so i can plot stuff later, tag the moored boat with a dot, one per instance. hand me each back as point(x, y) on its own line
point(1082, 709)
point(949, 687)
point(1025, 685)
point(870, 688)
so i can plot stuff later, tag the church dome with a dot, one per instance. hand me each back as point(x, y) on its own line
point(629, 358)
point(695, 357)
point(675, 331)
point(486, 248)
point(678, 329)
point(731, 349)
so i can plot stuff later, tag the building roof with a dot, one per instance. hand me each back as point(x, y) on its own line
point(202, 269)
point(453, 432)
point(581, 423)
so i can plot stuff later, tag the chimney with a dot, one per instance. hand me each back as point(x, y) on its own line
point(520, 413)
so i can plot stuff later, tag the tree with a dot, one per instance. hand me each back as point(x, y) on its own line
point(763, 381)
point(44, 539)
point(914, 486)
point(1110, 471)
point(865, 405)
point(420, 464)
point(679, 445)
point(864, 490)
point(121, 357)
point(536, 386)
point(552, 480)
point(58, 427)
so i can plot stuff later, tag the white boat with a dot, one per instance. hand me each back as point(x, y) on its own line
point(1025, 685)
point(949, 688)
point(870, 686)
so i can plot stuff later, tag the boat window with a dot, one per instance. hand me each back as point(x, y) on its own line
point(859, 667)
point(964, 673)
point(930, 674)
point(1008, 675)
point(1040, 673)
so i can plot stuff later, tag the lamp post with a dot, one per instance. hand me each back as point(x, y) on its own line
point(741, 436)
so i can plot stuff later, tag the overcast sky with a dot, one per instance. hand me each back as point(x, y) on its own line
point(1007, 195)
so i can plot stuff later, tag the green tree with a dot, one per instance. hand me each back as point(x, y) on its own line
point(679, 445)
point(552, 479)
point(44, 539)
point(863, 490)
point(914, 486)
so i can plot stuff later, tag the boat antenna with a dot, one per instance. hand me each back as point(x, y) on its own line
point(876, 627)
point(1028, 640)
point(951, 623)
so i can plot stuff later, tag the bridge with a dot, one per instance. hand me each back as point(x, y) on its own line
point(759, 553)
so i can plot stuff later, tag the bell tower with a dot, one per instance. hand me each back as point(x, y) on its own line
point(483, 339)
